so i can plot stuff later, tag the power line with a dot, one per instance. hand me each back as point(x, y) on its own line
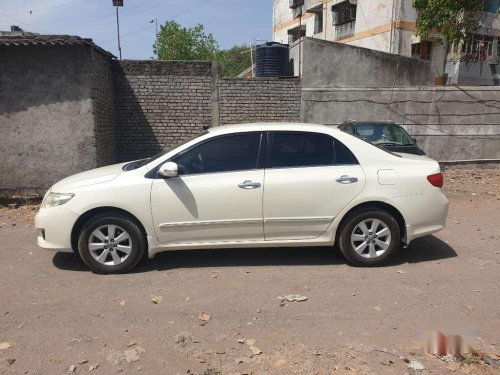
point(128, 9)
point(30, 11)
point(32, 27)
point(149, 27)
point(189, 10)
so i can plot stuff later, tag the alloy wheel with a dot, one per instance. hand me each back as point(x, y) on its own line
point(371, 238)
point(110, 245)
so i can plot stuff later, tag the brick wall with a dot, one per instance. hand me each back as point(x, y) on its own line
point(102, 107)
point(159, 103)
point(259, 99)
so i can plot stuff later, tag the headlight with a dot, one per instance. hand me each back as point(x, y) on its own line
point(56, 199)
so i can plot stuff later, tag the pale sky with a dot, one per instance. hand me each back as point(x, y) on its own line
point(231, 21)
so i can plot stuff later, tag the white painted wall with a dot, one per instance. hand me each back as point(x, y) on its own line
point(372, 17)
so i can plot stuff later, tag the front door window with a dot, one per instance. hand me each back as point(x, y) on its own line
point(223, 154)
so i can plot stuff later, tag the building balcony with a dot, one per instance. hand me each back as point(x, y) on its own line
point(345, 30)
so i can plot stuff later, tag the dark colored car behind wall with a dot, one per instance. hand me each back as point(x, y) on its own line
point(384, 134)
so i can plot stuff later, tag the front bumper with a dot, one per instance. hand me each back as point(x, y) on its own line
point(53, 226)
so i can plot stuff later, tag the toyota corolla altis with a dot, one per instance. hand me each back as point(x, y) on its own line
point(250, 185)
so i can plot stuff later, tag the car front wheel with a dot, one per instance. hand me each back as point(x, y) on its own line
point(370, 237)
point(111, 243)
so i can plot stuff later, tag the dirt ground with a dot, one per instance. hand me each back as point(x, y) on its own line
point(57, 318)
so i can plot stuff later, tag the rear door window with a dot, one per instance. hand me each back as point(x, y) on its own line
point(343, 156)
point(303, 149)
point(300, 149)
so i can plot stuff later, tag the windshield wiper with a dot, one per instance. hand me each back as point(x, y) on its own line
point(135, 164)
point(389, 143)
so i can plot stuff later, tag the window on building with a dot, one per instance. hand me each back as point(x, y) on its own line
point(479, 47)
point(318, 22)
point(421, 50)
point(492, 6)
point(344, 19)
point(296, 33)
point(295, 3)
point(317, 11)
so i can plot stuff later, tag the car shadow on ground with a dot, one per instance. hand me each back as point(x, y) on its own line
point(426, 249)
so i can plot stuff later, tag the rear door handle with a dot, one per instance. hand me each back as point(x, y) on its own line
point(247, 185)
point(346, 179)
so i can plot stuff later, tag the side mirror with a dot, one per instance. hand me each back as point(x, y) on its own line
point(169, 169)
point(414, 140)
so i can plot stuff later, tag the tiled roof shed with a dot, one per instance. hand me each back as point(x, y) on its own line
point(50, 40)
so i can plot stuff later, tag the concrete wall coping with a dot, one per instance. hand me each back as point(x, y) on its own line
point(369, 51)
point(412, 88)
point(163, 68)
point(261, 78)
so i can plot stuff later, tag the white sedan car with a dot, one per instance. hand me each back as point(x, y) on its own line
point(250, 185)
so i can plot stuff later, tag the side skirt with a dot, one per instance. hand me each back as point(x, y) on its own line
point(154, 247)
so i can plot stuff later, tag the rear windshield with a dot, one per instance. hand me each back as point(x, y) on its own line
point(377, 145)
point(380, 134)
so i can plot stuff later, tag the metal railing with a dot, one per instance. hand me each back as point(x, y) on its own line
point(345, 30)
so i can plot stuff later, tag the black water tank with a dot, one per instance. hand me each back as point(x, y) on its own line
point(272, 60)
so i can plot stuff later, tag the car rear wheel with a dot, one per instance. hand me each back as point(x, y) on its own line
point(370, 237)
point(111, 243)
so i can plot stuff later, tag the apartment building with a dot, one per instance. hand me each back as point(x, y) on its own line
point(389, 26)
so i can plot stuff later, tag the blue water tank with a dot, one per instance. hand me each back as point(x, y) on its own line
point(272, 60)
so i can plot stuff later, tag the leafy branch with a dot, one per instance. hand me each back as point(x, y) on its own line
point(455, 19)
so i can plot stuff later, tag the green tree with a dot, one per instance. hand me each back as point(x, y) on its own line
point(234, 60)
point(180, 43)
point(455, 19)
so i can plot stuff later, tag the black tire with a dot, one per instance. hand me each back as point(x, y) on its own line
point(350, 224)
point(137, 242)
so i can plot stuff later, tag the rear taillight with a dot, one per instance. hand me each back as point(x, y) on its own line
point(436, 180)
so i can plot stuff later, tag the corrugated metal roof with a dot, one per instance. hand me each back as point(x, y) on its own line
point(50, 40)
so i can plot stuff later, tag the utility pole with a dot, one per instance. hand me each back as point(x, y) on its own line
point(251, 58)
point(300, 41)
point(156, 36)
point(116, 4)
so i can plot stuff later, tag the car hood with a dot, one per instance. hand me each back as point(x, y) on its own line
point(94, 176)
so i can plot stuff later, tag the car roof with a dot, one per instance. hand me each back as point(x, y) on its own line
point(359, 147)
point(371, 122)
point(271, 126)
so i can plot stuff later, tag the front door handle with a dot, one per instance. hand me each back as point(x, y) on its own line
point(346, 179)
point(247, 185)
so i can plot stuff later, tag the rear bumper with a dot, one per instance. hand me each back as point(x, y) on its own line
point(428, 216)
point(53, 226)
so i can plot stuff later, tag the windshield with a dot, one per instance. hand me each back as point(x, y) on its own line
point(379, 134)
point(139, 163)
